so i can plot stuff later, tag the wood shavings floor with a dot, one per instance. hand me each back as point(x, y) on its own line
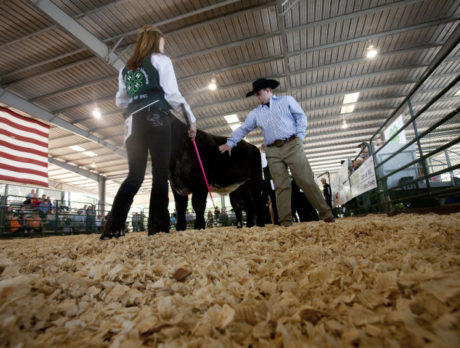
point(373, 281)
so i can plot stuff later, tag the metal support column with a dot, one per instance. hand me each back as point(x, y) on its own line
point(101, 189)
point(419, 146)
point(222, 201)
point(449, 165)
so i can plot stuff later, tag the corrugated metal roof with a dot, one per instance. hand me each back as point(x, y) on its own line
point(316, 50)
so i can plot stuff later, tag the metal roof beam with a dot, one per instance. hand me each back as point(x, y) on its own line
point(400, 84)
point(117, 37)
point(245, 111)
point(313, 69)
point(234, 67)
point(35, 33)
point(318, 23)
point(284, 46)
point(375, 9)
point(244, 83)
point(98, 47)
point(345, 79)
point(73, 88)
point(75, 169)
point(313, 140)
point(322, 118)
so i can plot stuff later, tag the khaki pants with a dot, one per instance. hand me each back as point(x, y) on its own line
point(293, 156)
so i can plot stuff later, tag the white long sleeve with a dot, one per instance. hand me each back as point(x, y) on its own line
point(121, 99)
point(168, 82)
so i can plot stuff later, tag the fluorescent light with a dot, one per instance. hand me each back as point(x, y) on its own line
point(77, 148)
point(213, 85)
point(346, 109)
point(457, 93)
point(96, 113)
point(234, 126)
point(344, 124)
point(351, 98)
point(89, 153)
point(232, 118)
point(371, 52)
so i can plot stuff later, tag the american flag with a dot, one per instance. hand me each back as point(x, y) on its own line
point(23, 149)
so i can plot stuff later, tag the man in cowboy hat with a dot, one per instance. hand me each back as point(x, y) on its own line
point(283, 125)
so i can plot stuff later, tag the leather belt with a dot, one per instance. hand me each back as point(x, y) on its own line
point(281, 142)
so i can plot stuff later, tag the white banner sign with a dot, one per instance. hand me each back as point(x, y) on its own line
point(393, 128)
point(341, 193)
point(363, 179)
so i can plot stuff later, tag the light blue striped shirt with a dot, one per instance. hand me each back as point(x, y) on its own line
point(281, 120)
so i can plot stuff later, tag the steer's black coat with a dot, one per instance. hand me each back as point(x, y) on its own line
point(225, 173)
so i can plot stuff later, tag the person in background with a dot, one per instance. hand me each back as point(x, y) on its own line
point(216, 214)
point(51, 221)
point(301, 206)
point(135, 222)
point(172, 220)
point(29, 196)
point(210, 219)
point(223, 217)
point(89, 220)
point(141, 221)
point(327, 193)
point(15, 226)
point(268, 190)
point(35, 200)
point(283, 124)
point(147, 88)
point(21, 215)
point(34, 223)
point(98, 224)
point(78, 221)
point(43, 209)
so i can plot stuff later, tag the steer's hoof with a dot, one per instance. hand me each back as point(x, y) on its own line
point(112, 234)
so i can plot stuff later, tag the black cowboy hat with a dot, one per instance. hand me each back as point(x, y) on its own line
point(259, 84)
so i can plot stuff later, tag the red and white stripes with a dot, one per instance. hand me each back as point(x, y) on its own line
point(23, 149)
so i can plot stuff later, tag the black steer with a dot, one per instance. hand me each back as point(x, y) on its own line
point(225, 173)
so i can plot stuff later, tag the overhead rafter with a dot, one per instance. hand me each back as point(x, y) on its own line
point(238, 66)
point(98, 47)
point(75, 169)
point(356, 77)
point(117, 37)
point(317, 23)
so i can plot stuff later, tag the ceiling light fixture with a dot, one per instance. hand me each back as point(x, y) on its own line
point(232, 118)
point(351, 98)
point(93, 165)
point(213, 85)
point(77, 148)
point(346, 109)
point(371, 52)
point(457, 93)
point(344, 124)
point(96, 113)
point(90, 154)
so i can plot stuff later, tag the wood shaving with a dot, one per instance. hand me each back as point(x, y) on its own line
point(181, 274)
point(372, 281)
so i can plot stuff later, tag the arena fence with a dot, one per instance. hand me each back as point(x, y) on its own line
point(20, 217)
point(416, 155)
